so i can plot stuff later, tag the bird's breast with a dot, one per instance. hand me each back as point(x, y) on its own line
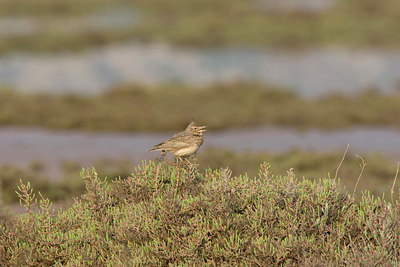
point(187, 151)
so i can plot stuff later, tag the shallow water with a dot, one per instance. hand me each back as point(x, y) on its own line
point(22, 146)
point(310, 73)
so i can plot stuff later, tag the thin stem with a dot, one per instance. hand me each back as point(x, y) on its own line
point(394, 182)
point(340, 164)
point(362, 165)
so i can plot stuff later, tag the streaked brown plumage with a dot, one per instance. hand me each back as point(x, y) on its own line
point(183, 144)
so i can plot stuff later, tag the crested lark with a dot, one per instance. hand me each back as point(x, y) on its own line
point(183, 144)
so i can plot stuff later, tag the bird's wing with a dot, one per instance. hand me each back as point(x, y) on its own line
point(176, 142)
point(180, 134)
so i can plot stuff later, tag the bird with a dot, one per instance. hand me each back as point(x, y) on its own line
point(183, 144)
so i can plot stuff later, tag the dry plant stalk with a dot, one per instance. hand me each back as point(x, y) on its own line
point(341, 161)
point(362, 165)
point(394, 182)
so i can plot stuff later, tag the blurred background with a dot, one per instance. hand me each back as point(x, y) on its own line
point(98, 82)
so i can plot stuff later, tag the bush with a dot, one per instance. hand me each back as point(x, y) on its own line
point(164, 215)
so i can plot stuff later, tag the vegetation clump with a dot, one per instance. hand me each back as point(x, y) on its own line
point(132, 108)
point(200, 23)
point(60, 189)
point(164, 215)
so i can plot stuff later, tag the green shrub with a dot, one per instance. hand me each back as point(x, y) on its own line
point(376, 178)
point(178, 215)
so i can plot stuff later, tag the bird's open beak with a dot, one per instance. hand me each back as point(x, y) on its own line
point(202, 129)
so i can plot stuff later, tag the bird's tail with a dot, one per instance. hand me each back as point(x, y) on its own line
point(156, 147)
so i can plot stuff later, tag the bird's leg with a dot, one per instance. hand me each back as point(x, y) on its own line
point(187, 160)
point(184, 160)
point(181, 160)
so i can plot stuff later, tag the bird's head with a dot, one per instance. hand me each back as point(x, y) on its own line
point(195, 129)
